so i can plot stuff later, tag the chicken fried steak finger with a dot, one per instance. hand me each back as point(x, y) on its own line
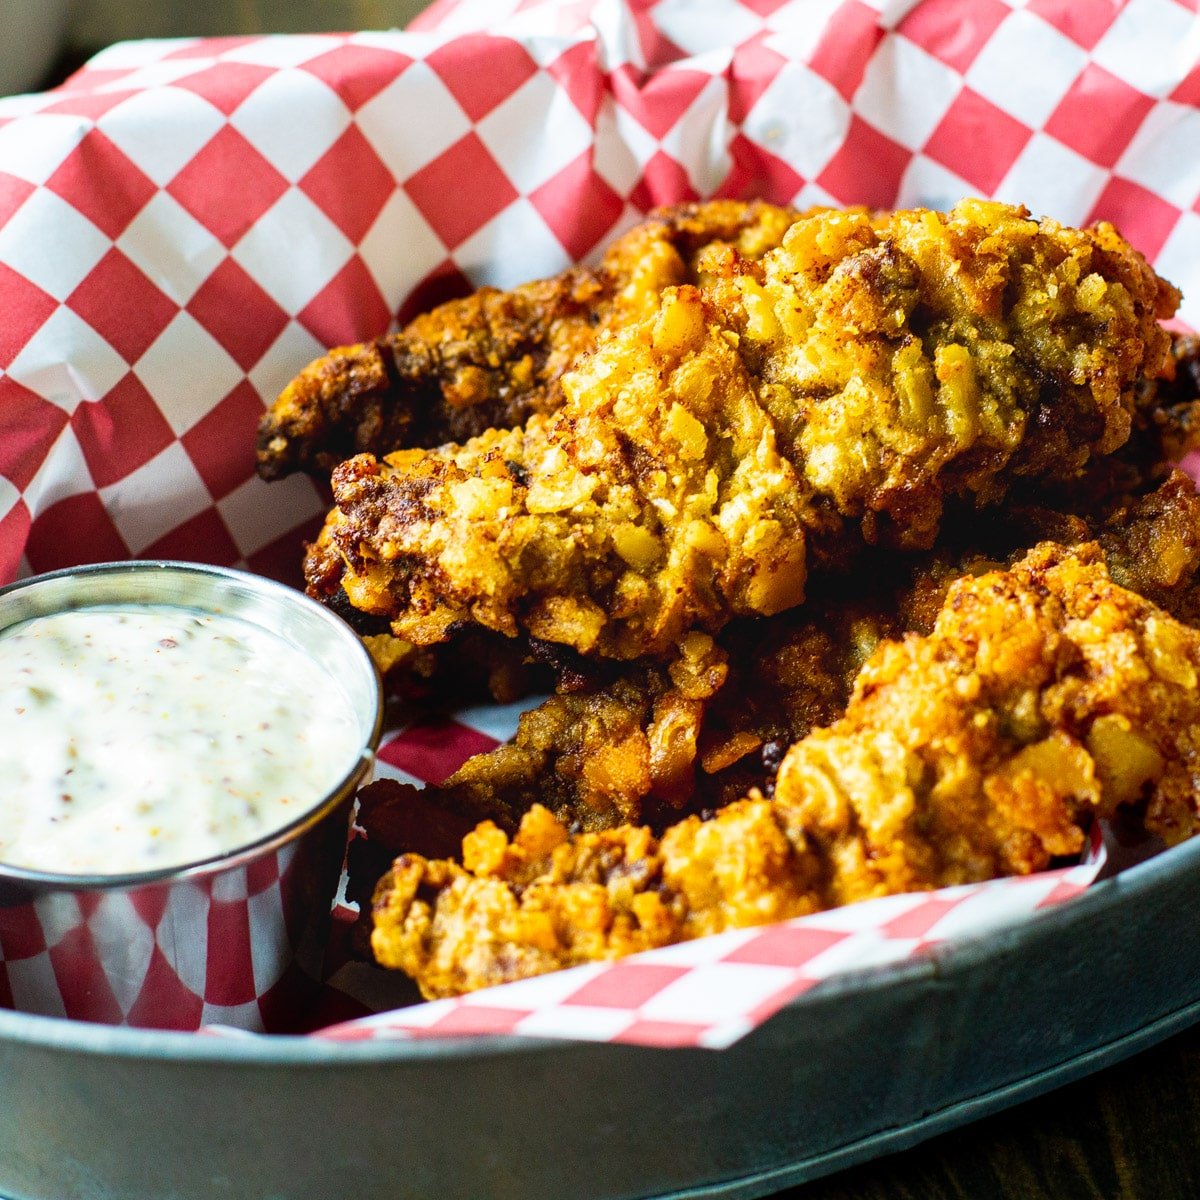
point(491, 359)
point(841, 391)
point(1046, 694)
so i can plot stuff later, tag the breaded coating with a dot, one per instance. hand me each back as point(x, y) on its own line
point(1166, 427)
point(839, 392)
point(689, 734)
point(1152, 547)
point(1045, 695)
point(654, 502)
point(713, 724)
point(492, 359)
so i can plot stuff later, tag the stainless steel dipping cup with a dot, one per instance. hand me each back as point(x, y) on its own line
point(236, 939)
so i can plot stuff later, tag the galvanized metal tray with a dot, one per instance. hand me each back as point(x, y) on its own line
point(865, 1065)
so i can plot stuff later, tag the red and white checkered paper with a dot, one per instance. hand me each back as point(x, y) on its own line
point(185, 224)
point(176, 955)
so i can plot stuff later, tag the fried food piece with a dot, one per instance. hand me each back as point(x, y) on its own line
point(837, 392)
point(662, 737)
point(478, 664)
point(713, 724)
point(1170, 411)
point(658, 739)
point(1152, 546)
point(1166, 427)
point(1045, 695)
point(492, 359)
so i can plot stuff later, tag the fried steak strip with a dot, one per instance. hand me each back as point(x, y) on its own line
point(492, 359)
point(706, 728)
point(1046, 694)
point(838, 391)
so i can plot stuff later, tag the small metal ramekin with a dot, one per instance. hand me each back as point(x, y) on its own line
point(236, 939)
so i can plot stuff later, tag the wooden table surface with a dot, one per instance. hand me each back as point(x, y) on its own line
point(1131, 1132)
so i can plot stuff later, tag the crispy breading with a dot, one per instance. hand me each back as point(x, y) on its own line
point(491, 359)
point(705, 730)
point(838, 392)
point(1045, 695)
point(1166, 426)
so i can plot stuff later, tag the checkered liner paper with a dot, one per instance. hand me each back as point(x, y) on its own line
point(185, 224)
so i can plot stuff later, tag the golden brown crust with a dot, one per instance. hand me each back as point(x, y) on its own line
point(1045, 694)
point(838, 391)
point(492, 359)
point(712, 725)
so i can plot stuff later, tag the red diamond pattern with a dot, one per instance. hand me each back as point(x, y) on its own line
point(1084, 24)
point(477, 1019)
point(977, 141)
point(213, 47)
point(74, 959)
point(764, 8)
point(918, 921)
point(785, 945)
point(100, 181)
point(657, 101)
point(226, 182)
point(90, 77)
point(121, 431)
point(21, 934)
point(752, 71)
point(657, 49)
point(24, 308)
point(578, 206)
point(122, 305)
point(949, 32)
point(847, 45)
point(13, 193)
point(225, 84)
point(469, 173)
point(29, 426)
point(92, 105)
point(221, 444)
point(165, 1002)
point(222, 305)
point(434, 752)
point(261, 874)
point(1188, 92)
point(233, 983)
point(444, 282)
point(479, 91)
point(626, 985)
point(350, 184)
point(358, 73)
point(1074, 121)
point(756, 171)
point(1144, 218)
point(348, 309)
point(867, 169)
point(14, 533)
point(668, 1034)
point(575, 72)
point(228, 186)
point(73, 531)
point(663, 181)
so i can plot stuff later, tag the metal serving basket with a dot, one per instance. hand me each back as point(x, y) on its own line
point(864, 1065)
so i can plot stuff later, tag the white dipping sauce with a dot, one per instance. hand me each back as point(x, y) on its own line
point(136, 738)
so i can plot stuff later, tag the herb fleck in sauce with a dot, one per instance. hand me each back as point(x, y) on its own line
point(138, 738)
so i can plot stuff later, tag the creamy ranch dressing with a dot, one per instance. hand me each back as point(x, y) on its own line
point(135, 738)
